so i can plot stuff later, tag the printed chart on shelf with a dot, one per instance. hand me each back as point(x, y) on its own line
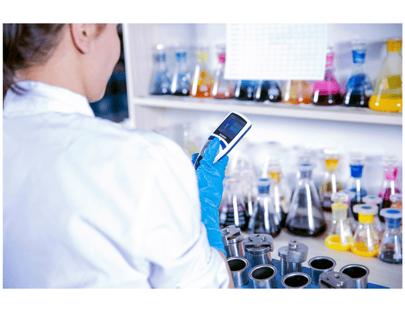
point(275, 51)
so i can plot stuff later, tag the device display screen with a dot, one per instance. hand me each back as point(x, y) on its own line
point(231, 126)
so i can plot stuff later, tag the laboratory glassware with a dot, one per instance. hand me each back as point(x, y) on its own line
point(201, 83)
point(390, 183)
point(327, 92)
point(244, 172)
point(280, 192)
point(331, 183)
point(245, 89)
point(264, 219)
point(387, 95)
point(305, 217)
point(391, 243)
point(396, 201)
point(267, 90)
point(232, 210)
point(340, 235)
point(222, 88)
point(375, 200)
point(181, 75)
point(358, 87)
point(366, 241)
point(189, 146)
point(350, 217)
point(356, 182)
point(160, 80)
point(297, 92)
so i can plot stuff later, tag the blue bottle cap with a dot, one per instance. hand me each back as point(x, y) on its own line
point(356, 171)
point(359, 56)
point(181, 56)
point(263, 186)
point(392, 217)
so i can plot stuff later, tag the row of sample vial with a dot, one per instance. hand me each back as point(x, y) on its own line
point(386, 95)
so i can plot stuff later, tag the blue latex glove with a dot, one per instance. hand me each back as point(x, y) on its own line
point(210, 177)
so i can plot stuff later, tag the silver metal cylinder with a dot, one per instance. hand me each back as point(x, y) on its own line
point(258, 249)
point(263, 276)
point(233, 241)
point(319, 265)
point(296, 280)
point(292, 256)
point(334, 280)
point(239, 272)
point(359, 273)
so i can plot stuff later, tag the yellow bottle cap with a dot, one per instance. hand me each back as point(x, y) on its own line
point(275, 175)
point(202, 57)
point(366, 212)
point(394, 45)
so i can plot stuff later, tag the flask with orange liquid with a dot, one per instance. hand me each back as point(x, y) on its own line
point(202, 81)
point(297, 92)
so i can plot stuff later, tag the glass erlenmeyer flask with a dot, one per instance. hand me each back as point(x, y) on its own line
point(331, 184)
point(279, 190)
point(264, 219)
point(375, 200)
point(390, 184)
point(356, 182)
point(340, 235)
point(232, 210)
point(267, 90)
point(366, 241)
point(305, 217)
point(201, 83)
point(350, 217)
point(297, 92)
point(387, 95)
point(358, 87)
point(245, 89)
point(396, 201)
point(327, 92)
point(160, 79)
point(223, 88)
point(181, 75)
point(391, 243)
point(245, 174)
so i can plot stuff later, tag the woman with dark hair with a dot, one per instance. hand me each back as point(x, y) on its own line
point(87, 203)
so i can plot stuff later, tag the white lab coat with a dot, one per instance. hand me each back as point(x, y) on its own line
point(88, 203)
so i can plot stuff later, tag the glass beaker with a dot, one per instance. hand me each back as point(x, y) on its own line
point(390, 184)
point(366, 241)
point(232, 211)
point(387, 95)
point(327, 92)
point(331, 183)
point(223, 88)
point(305, 217)
point(297, 92)
point(391, 243)
point(356, 182)
point(264, 219)
point(358, 87)
point(201, 83)
point(181, 75)
point(340, 235)
point(267, 90)
point(160, 78)
point(245, 89)
point(279, 190)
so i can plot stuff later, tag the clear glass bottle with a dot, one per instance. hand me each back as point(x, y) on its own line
point(245, 174)
point(356, 182)
point(297, 92)
point(366, 241)
point(267, 90)
point(390, 183)
point(305, 217)
point(350, 217)
point(358, 87)
point(391, 243)
point(331, 183)
point(375, 200)
point(223, 88)
point(160, 80)
point(201, 83)
point(264, 219)
point(279, 190)
point(340, 236)
point(181, 75)
point(245, 89)
point(232, 211)
point(387, 95)
point(327, 92)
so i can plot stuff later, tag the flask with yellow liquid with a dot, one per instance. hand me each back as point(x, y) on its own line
point(387, 96)
point(340, 235)
point(366, 241)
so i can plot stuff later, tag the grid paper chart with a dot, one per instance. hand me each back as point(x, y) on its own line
point(275, 51)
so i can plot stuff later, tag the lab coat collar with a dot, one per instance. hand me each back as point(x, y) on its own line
point(42, 98)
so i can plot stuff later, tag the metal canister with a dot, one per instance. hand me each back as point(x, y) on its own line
point(239, 271)
point(292, 256)
point(263, 276)
point(296, 280)
point(359, 273)
point(233, 239)
point(319, 265)
point(332, 279)
point(258, 248)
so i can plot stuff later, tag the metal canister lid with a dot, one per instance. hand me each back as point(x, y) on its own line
point(332, 279)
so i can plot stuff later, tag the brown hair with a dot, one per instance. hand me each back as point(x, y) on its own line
point(27, 45)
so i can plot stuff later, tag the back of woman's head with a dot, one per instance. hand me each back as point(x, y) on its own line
point(27, 45)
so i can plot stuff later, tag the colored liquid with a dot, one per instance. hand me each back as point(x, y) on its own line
point(331, 99)
point(203, 91)
point(204, 85)
point(389, 256)
point(227, 217)
point(361, 249)
point(386, 203)
point(161, 84)
point(355, 99)
point(358, 91)
point(182, 85)
point(224, 92)
point(274, 226)
point(334, 242)
point(300, 226)
point(246, 90)
point(269, 91)
point(386, 103)
point(357, 200)
point(327, 191)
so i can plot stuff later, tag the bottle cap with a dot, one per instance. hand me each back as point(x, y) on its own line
point(394, 45)
point(372, 199)
point(351, 194)
point(263, 186)
point(392, 217)
point(356, 171)
point(390, 160)
point(366, 212)
point(202, 56)
point(396, 197)
point(340, 197)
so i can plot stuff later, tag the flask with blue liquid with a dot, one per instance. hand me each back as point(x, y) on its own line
point(356, 182)
point(181, 75)
point(160, 79)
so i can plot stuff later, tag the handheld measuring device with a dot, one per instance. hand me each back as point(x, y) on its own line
point(229, 132)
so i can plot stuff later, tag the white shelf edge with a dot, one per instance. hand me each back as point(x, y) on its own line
point(307, 111)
